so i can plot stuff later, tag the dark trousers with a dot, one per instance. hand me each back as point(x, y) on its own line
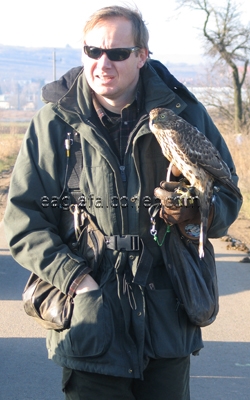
point(164, 379)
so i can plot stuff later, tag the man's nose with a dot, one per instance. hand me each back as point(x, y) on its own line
point(104, 60)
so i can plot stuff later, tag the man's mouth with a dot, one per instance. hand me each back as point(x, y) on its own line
point(105, 78)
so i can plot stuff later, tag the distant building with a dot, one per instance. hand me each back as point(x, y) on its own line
point(4, 103)
point(29, 106)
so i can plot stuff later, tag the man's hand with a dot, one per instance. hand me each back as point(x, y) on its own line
point(174, 210)
point(87, 285)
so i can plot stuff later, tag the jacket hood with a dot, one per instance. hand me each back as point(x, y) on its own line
point(54, 91)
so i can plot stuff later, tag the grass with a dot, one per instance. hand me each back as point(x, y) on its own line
point(245, 209)
point(11, 136)
point(239, 146)
point(16, 126)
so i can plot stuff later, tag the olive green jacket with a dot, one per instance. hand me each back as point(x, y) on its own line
point(115, 329)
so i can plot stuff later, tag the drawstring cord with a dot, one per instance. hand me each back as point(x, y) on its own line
point(153, 211)
point(75, 210)
point(127, 288)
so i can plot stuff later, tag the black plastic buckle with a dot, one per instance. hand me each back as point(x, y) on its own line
point(127, 242)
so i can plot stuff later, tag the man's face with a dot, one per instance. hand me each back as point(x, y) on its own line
point(114, 82)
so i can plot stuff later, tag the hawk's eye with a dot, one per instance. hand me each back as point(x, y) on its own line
point(162, 116)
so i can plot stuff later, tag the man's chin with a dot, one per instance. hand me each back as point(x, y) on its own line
point(108, 94)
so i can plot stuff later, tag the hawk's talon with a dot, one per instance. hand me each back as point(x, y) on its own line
point(185, 195)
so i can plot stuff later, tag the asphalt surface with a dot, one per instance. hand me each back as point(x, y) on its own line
point(220, 372)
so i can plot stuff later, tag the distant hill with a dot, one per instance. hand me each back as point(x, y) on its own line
point(25, 63)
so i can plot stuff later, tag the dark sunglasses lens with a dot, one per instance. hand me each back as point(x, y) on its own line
point(113, 54)
point(93, 52)
point(118, 54)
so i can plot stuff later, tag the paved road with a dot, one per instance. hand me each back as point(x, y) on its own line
point(220, 372)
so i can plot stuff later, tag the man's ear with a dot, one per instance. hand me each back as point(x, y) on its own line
point(142, 56)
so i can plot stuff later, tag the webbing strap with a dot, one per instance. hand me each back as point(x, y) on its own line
point(143, 267)
point(75, 165)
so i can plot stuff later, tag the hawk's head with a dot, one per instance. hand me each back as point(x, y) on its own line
point(165, 125)
point(162, 118)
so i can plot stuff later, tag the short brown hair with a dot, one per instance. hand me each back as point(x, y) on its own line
point(140, 31)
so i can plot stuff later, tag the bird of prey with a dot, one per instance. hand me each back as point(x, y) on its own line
point(195, 157)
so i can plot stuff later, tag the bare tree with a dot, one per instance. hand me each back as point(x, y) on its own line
point(227, 40)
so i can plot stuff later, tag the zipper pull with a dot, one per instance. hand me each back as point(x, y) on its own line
point(123, 173)
point(68, 143)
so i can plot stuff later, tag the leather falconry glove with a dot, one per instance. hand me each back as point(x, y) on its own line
point(179, 204)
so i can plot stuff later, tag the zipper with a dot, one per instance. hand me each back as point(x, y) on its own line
point(123, 173)
point(142, 119)
point(122, 167)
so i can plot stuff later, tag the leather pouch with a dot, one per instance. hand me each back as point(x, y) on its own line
point(194, 279)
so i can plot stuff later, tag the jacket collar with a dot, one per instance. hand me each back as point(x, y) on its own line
point(158, 93)
point(71, 92)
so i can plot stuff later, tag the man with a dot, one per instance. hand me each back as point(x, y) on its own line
point(128, 339)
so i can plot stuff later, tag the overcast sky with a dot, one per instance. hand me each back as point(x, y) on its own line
point(56, 23)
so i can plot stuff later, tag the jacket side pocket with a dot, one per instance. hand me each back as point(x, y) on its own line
point(90, 332)
point(171, 333)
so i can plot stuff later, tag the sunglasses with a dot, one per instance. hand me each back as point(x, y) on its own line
point(119, 54)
